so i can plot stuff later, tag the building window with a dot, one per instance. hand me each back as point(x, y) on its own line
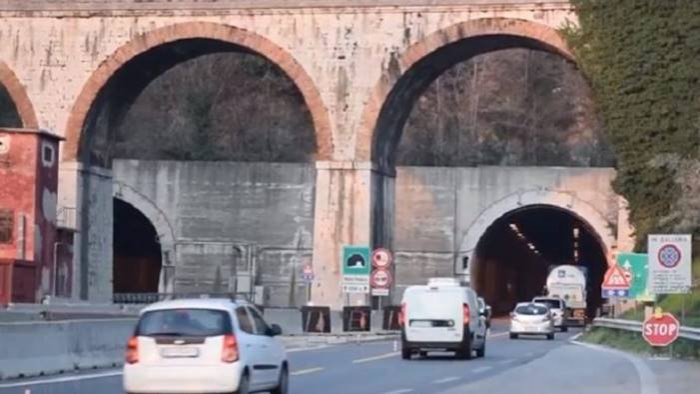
point(47, 155)
point(6, 225)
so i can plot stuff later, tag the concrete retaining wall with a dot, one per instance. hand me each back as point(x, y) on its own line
point(42, 348)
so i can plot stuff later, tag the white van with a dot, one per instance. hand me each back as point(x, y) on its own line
point(442, 316)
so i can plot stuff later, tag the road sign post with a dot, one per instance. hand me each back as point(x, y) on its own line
point(636, 268)
point(616, 283)
point(356, 266)
point(660, 329)
point(382, 276)
point(670, 270)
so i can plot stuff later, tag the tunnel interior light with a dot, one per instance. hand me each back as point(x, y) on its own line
point(514, 227)
point(531, 246)
point(576, 232)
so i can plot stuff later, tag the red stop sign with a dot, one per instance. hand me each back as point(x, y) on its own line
point(661, 331)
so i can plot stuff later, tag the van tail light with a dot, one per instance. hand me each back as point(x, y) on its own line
point(132, 350)
point(402, 315)
point(229, 352)
point(465, 313)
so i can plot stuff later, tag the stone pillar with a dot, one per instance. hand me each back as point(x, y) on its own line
point(88, 192)
point(343, 216)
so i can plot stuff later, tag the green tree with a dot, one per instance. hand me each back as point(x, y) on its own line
point(643, 60)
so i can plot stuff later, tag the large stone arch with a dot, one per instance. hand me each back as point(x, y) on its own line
point(164, 229)
point(566, 201)
point(194, 30)
point(545, 38)
point(19, 96)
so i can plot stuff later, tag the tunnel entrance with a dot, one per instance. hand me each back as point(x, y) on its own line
point(137, 251)
point(514, 256)
point(9, 116)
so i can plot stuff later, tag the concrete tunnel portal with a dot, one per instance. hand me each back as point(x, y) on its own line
point(512, 258)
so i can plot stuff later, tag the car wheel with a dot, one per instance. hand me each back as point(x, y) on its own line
point(564, 329)
point(513, 336)
point(465, 352)
point(550, 336)
point(481, 352)
point(423, 353)
point(283, 384)
point(405, 353)
point(243, 385)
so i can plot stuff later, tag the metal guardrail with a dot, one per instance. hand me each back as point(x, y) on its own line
point(149, 298)
point(690, 333)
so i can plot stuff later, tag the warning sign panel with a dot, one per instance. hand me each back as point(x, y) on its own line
point(616, 282)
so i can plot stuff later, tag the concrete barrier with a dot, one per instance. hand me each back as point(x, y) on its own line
point(43, 348)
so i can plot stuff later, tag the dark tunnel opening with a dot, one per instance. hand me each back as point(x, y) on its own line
point(137, 252)
point(516, 253)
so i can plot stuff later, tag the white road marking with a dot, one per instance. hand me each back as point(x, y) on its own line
point(61, 379)
point(375, 358)
point(306, 371)
point(399, 391)
point(500, 334)
point(446, 380)
point(506, 361)
point(575, 337)
point(482, 369)
point(307, 349)
point(647, 379)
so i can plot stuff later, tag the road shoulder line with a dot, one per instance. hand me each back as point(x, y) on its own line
point(647, 378)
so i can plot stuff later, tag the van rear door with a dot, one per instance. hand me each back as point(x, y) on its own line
point(434, 314)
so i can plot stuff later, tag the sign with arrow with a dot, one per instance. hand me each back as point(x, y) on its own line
point(636, 267)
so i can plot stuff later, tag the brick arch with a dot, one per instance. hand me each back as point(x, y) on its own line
point(194, 30)
point(546, 37)
point(19, 96)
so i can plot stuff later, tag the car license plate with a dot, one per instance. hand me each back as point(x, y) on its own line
point(175, 352)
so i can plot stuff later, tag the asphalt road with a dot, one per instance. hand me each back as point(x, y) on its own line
point(511, 366)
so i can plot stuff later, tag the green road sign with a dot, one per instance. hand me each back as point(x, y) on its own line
point(356, 260)
point(638, 266)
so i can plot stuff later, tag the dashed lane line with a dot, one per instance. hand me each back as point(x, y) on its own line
point(446, 380)
point(399, 391)
point(306, 371)
point(482, 369)
point(375, 358)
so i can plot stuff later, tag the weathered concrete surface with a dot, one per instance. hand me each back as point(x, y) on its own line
point(345, 58)
point(258, 214)
point(440, 215)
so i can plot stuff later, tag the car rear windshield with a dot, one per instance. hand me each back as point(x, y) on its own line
point(184, 322)
point(531, 310)
point(552, 303)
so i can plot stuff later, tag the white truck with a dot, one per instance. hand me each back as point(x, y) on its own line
point(568, 282)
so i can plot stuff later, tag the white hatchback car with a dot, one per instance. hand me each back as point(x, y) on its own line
point(204, 346)
point(557, 307)
point(533, 319)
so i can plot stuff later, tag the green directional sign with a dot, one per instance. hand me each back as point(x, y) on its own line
point(637, 264)
point(356, 260)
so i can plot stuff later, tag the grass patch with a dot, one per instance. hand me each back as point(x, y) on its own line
point(633, 342)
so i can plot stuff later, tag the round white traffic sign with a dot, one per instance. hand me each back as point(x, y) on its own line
point(380, 278)
point(381, 258)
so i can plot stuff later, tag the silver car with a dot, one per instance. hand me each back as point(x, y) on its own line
point(557, 307)
point(531, 319)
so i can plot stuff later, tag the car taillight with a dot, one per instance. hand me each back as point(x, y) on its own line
point(402, 314)
point(465, 313)
point(229, 352)
point(132, 351)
